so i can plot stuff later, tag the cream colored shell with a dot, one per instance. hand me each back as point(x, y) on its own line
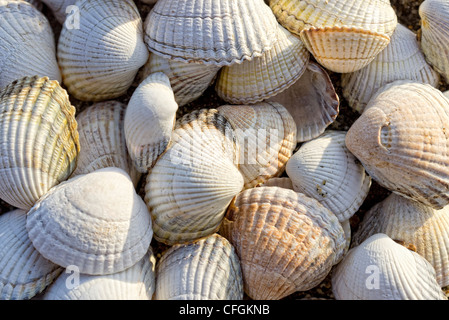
point(38, 139)
point(417, 225)
point(402, 141)
point(381, 269)
point(286, 242)
point(207, 269)
point(402, 59)
point(219, 32)
point(100, 58)
point(23, 29)
point(149, 120)
point(96, 222)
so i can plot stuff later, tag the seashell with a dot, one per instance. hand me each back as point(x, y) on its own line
point(24, 273)
point(342, 35)
point(413, 223)
point(192, 183)
point(189, 80)
point(325, 170)
point(95, 221)
point(102, 139)
point(149, 120)
point(23, 28)
point(434, 15)
point(446, 94)
point(100, 59)
point(402, 59)
point(286, 242)
point(401, 140)
point(266, 135)
point(39, 139)
point(206, 269)
point(381, 269)
point(311, 101)
point(262, 77)
point(283, 182)
point(60, 8)
point(215, 32)
point(138, 282)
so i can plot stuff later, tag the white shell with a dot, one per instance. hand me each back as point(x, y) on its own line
point(188, 80)
point(24, 273)
point(60, 8)
point(381, 269)
point(101, 57)
point(421, 226)
point(23, 29)
point(311, 101)
point(192, 183)
point(402, 59)
point(95, 221)
point(324, 169)
point(149, 120)
point(102, 139)
point(207, 269)
point(138, 282)
point(219, 32)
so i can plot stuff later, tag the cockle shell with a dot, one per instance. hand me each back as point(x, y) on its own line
point(207, 269)
point(102, 139)
point(415, 224)
point(23, 28)
point(324, 169)
point(343, 35)
point(24, 273)
point(189, 80)
point(266, 134)
point(311, 101)
point(219, 32)
point(137, 282)
point(96, 222)
point(381, 269)
point(100, 59)
point(265, 76)
point(286, 242)
point(434, 30)
point(149, 120)
point(39, 139)
point(402, 140)
point(192, 183)
point(402, 59)
point(60, 8)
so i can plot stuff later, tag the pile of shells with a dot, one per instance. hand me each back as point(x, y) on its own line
point(223, 150)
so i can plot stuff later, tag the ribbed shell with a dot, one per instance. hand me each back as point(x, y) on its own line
point(102, 139)
point(188, 80)
point(434, 16)
point(23, 29)
point(59, 8)
point(259, 79)
point(311, 101)
point(207, 269)
point(149, 120)
point(324, 169)
point(191, 185)
point(24, 273)
point(402, 59)
point(95, 221)
point(100, 59)
point(402, 141)
point(415, 224)
point(266, 133)
point(381, 269)
point(219, 32)
point(135, 283)
point(286, 241)
point(39, 139)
